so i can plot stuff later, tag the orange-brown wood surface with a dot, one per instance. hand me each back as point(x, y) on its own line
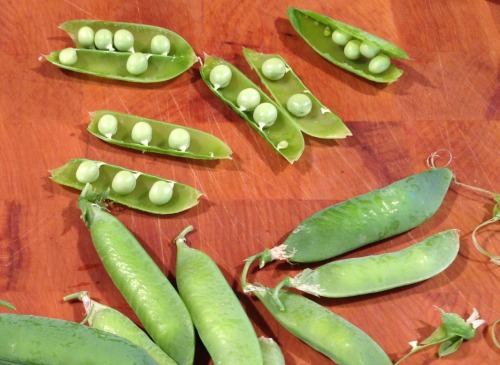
point(448, 98)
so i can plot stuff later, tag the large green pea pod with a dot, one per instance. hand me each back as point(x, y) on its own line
point(36, 340)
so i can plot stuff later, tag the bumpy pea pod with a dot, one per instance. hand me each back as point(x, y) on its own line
point(310, 115)
point(219, 318)
point(141, 282)
point(133, 189)
point(271, 352)
point(364, 219)
point(279, 131)
point(38, 340)
point(150, 135)
point(5, 304)
point(110, 320)
point(344, 46)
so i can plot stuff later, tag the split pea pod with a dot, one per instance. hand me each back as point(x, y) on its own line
point(310, 115)
point(26, 339)
point(254, 106)
point(141, 282)
point(219, 318)
point(150, 135)
point(133, 189)
point(348, 47)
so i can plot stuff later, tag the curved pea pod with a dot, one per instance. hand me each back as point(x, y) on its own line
point(28, 339)
point(283, 135)
point(316, 30)
point(141, 282)
point(183, 196)
point(320, 122)
point(271, 352)
point(202, 145)
point(219, 318)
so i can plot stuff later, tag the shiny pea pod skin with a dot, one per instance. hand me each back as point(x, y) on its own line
point(376, 273)
point(311, 27)
point(321, 122)
point(271, 352)
point(323, 330)
point(183, 198)
point(34, 340)
point(218, 316)
point(283, 129)
point(141, 282)
point(202, 146)
point(369, 217)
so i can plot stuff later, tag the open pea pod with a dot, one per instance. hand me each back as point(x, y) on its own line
point(200, 145)
point(147, 193)
point(283, 135)
point(316, 29)
point(320, 122)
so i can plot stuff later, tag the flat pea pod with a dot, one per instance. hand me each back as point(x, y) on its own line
point(320, 122)
point(218, 316)
point(322, 329)
point(311, 27)
point(141, 282)
point(202, 145)
point(271, 352)
point(183, 196)
point(283, 135)
point(376, 273)
point(26, 339)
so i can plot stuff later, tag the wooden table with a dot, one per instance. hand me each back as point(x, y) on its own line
point(448, 98)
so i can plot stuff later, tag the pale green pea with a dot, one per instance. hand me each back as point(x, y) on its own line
point(248, 99)
point(68, 56)
point(299, 105)
point(179, 139)
point(124, 40)
point(160, 45)
point(341, 38)
point(274, 68)
point(87, 172)
point(103, 39)
point(220, 76)
point(368, 50)
point(123, 182)
point(265, 115)
point(137, 63)
point(142, 133)
point(351, 49)
point(161, 192)
point(327, 32)
point(379, 64)
point(86, 37)
point(107, 125)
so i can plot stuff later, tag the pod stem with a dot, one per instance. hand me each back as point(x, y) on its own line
point(181, 237)
point(88, 304)
point(91, 203)
point(286, 282)
point(5, 304)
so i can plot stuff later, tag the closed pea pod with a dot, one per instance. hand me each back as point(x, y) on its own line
point(271, 352)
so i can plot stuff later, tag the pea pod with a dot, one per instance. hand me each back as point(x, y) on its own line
point(141, 282)
point(271, 352)
point(37, 340)
point(201, 145)
point(319, 121)
point(6, 304)
point(317, 29)
point(221, 321)
point(283, 135)
point(77, 172)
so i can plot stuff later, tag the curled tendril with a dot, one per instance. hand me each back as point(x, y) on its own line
point(431, 160)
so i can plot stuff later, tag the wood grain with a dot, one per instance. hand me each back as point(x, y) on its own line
point(448, 98)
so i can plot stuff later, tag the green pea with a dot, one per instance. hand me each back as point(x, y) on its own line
point(299, 105)
point(107, 125)
point(274, 69)
point(248, 99)
point(142, 133)
point(68, 56)
point(86, 37)
point(179, 139)
point(265, 115)
point(161, 192)
point(379, 64)
point(103, 39)
point(137, 63)
point(368, 49)
point(87, 172)
point(340, 38)
point(351, 49)
point(123, 182)
point(220, 76)
point(160, 45)
point(124, 40)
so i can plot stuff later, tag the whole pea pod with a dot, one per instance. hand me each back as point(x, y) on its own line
point(141, 282)
point(26, 339)
point(348, 47)
point(271, 352)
